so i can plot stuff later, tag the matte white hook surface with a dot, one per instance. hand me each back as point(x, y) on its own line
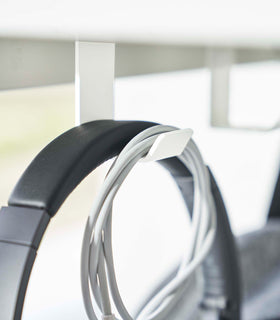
point(169, 144)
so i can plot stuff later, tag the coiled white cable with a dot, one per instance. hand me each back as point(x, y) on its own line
point(99, 285)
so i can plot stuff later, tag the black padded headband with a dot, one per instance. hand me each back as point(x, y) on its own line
point(55, 173)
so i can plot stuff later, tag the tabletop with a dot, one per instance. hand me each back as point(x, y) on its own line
point(181, 22)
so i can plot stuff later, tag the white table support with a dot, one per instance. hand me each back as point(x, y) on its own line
point(220, 62)
point(94, 81)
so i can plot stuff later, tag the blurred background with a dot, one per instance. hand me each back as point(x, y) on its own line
point(245, 163)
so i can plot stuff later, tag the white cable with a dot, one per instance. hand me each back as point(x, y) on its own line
point(99, 285)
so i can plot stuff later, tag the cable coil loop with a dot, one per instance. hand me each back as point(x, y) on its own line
point(99, 285)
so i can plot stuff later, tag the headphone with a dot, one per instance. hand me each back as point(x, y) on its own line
point(54, 174)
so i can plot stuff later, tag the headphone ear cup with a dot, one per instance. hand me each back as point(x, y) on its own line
point(221, 268)
point(46, 183)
